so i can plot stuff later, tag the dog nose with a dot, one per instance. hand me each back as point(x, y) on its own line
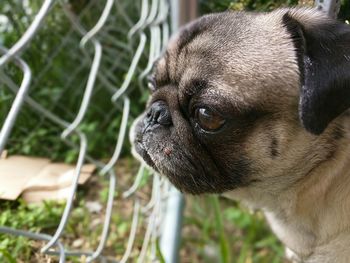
point(158, 113)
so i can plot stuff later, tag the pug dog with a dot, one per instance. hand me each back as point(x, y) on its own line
point(254, 106)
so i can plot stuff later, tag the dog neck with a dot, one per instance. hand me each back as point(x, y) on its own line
point(312, 215)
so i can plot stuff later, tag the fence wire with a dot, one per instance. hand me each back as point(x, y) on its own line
point(101, 48)
point(111, 45)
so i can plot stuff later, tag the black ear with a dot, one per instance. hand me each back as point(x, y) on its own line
point(323, 53)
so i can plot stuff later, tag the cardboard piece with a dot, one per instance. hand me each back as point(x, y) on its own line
point(38, 179)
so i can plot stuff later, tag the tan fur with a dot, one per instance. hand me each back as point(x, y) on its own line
point(310, 216)
point(304, 190)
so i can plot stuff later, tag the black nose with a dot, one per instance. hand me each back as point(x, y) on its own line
point(158, 113)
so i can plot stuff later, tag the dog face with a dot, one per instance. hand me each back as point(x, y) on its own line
point(242, 99)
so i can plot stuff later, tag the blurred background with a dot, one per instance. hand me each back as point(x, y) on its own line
point(214, 229)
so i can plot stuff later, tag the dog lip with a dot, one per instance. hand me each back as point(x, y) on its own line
point(141, 149)
point(140, 144)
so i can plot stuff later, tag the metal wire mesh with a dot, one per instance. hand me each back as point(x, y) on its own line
point(102, 38)
point(63, 107)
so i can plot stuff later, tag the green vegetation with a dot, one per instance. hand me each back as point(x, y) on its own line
point(219, 230)
point(215, 230)
point(84, 226)
point(23, 216)
point(208, 6)
point(60, 69)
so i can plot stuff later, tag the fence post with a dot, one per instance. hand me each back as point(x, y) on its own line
point(182, 11)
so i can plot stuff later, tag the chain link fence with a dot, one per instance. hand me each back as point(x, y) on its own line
point(80, 110)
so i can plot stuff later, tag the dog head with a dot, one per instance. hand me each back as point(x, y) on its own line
point(241, 99)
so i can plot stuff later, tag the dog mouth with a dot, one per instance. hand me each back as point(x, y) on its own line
point(141, 150)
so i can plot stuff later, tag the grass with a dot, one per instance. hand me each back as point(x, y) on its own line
point(84, 226)
point(20, 215)
point(215, 229)
point(219, 230)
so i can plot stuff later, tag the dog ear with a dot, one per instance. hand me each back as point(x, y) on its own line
point(323, 52)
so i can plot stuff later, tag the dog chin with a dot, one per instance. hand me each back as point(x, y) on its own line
point(141, 154)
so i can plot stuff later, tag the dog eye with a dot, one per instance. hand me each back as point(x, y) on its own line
point(208, 120)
